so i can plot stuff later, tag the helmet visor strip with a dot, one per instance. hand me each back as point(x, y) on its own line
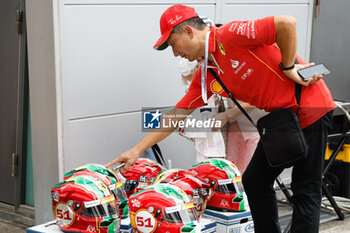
point(118, 190)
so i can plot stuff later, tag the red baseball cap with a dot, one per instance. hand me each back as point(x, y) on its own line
point(173, 16)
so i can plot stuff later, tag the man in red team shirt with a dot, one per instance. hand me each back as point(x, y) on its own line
point(255, 60)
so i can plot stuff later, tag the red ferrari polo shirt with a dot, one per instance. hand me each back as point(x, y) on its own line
point(248, 59)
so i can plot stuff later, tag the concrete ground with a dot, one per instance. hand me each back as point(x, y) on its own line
point(7, 226)
point(335, 226)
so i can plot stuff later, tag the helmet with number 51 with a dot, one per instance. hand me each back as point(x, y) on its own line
point(84, 204)
point(162, 208)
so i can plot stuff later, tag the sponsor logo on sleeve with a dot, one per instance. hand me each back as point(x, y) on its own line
point(241, 29)
point(233, 27)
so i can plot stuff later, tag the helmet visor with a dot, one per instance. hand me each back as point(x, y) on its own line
point(176, 215)
point(100, 208)
point(230, 186)
point(200, 205)
point(118, 190)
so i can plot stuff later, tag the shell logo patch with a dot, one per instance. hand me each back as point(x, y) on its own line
point(222, 50)
point(216, 87)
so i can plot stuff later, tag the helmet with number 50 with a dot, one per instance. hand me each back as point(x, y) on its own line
point(162, 208)
point(84, 204)
point(228, 193)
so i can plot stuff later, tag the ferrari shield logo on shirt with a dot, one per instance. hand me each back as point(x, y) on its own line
point(151, 119)
point(222, 50)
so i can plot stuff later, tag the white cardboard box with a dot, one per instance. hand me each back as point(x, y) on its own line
point(231, 222)
point(208, 225)
point(45, 227)
point(125, 226)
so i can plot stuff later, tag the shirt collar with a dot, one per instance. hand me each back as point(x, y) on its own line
point(212, 39)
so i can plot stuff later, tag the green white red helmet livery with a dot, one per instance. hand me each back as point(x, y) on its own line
point(85, 204)
point(162, 208)
point(229, 193)
point(197, 189)
point(140, 175)
point(108, 177)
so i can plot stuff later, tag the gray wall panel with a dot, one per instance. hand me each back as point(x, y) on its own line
point(330, 45)
point(42, 86)
point(108, 61)
point(99, 140)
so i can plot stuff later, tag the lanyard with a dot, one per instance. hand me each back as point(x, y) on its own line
point(204, 71)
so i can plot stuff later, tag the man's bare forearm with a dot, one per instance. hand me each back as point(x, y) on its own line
point(286, 38)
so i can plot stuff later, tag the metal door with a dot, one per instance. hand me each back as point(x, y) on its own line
point(330, 44)
point(11, 102)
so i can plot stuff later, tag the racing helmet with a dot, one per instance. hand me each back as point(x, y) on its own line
point(108, 177)
point(196, 189)
point(84, 204)
point(139, 176)
point(151, 163)
point(228, 191)
point(162, 208)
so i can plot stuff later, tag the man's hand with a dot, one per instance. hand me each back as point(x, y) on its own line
point(129, 157)
point(293, 75)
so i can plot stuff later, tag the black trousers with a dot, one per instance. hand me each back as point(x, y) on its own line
point(259, 177)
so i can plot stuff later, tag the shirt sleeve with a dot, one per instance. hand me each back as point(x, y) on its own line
point(193, 97)
point(252, 33)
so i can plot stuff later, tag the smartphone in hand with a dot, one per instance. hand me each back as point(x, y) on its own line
point(309, 72)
